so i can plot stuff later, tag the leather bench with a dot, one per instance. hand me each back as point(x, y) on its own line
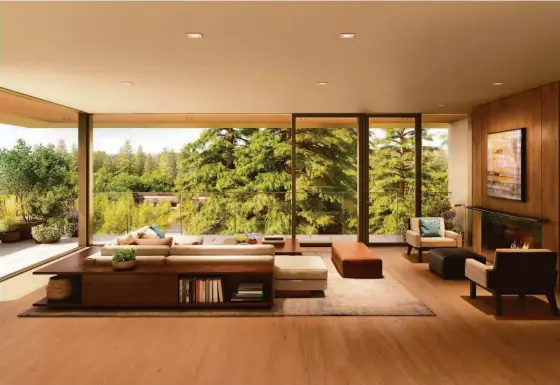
point(355, 260)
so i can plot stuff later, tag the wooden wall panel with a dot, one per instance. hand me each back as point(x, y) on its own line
point(550, 164)
point(538, 111)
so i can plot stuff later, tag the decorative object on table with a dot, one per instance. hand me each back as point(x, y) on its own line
point(241, 239)
point(59, 288)
point(9, 232)
point(46, 233)
point(506, 165)
point(124, 259)
point(253, 238)
point(274, 240)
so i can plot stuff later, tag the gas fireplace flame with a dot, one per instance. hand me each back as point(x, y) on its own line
point(523, 246)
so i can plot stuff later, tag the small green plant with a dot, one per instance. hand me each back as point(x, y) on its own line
point(241, 238)
point(8, 224)
point(46, 233)
point(124, 255)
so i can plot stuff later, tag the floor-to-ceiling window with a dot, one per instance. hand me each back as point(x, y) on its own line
point(392, 177)
point(38, 181)
point(211, 175)
point(326, 179)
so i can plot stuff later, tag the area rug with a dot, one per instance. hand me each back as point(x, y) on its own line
point(343, 297)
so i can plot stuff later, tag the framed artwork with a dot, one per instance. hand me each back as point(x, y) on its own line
point(506, 165)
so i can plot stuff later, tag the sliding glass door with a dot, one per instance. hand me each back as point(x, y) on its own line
point(326, 178)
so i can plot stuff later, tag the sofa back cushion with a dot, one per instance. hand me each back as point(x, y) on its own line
point(222, 250)
point(152, 242)
point(140, 249)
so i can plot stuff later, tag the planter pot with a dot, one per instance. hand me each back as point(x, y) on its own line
point(59, 289)
point(10, 236)
point(25, 229)
point(128, 265)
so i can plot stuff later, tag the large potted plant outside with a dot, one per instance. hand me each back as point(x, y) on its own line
point(8, 230)
point(124, 259)
point(46, 233)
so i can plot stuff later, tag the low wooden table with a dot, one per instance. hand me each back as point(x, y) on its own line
point(289, 247)
point(151, 285)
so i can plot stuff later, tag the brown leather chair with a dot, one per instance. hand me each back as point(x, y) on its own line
point(516, 271)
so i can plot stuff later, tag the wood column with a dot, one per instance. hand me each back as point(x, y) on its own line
point(418, 165)
point(85, 179)
point(363, 178)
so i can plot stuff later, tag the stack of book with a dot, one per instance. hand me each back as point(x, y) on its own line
point(273, 240)
point(248, 291)
point(200, 290)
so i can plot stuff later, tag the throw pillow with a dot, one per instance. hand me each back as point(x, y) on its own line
point(125, 240)
point(430, 228)
point(148, 234)
point(156, 229)
point(138, 233)
point(155, 242)
point(189, 240)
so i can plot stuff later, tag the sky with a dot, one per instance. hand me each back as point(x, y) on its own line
point(110, 140)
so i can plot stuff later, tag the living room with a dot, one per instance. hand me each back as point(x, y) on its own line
point(334, 229)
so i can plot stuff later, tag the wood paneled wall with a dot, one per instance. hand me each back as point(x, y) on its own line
point(538, 111)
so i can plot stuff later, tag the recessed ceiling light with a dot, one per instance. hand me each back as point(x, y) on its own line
point(126, 83)
point(195, 35)
point(322, 83)
point(347, 35)
point(497, 84)
point(441, 105)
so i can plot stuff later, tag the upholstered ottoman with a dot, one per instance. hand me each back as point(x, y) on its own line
point(355, 260)
point(301, 273)
point(449, 263)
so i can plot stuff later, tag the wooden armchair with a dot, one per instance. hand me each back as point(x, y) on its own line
point(516, 271)
point(416, 241)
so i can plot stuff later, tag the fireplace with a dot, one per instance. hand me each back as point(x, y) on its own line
point(501, 231)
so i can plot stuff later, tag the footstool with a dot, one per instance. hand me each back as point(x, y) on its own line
point(299, 273)
point(449, 263)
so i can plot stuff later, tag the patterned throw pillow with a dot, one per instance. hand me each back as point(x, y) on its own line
point(127, 239)
point(430, 228)
point(148, 234)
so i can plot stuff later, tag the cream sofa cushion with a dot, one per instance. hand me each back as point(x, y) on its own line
point(438, 242)
point(477, 272)
point(216, 250)
point(140, 249)
point(299, 267)
point(219, 259)
point(188, 239)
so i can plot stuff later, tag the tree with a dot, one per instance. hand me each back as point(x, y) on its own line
point(101, 160)
point(139, 161)
point(149, 164)
point(124, 161)
point(61, 146)
point(168, 163)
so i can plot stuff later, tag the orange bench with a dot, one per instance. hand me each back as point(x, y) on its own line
point(355, 260)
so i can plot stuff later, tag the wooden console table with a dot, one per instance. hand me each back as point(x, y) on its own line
point(151, 285)
point(289, 247)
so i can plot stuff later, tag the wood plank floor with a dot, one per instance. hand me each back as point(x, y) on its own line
point(463, 344)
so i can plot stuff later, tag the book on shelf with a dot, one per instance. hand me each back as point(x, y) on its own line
point(248, 291)
point(200, 290)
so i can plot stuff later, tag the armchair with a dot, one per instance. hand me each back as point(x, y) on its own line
point(415, 240)
point(516, 271)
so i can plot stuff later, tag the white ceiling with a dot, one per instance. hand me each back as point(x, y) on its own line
point(262, 57)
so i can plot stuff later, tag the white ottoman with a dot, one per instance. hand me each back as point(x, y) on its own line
point(299, 273)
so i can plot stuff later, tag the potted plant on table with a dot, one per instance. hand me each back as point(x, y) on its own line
point(124, 259)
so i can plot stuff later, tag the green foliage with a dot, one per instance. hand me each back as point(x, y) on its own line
point(124, 255)
point(124, 161)
point(139, 161)
point(46, 233)
point(8, 224)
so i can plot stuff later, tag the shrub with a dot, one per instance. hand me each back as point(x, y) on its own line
point(46, 233)
point(8, 224)
point(124, 255)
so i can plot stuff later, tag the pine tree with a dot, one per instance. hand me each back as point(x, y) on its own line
point(168, 162)
point(139, 160)
point(61, 146)
point(124, 161)
point(101, 159)
point(149, 164)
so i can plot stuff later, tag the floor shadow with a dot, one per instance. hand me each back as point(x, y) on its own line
point(529, 309)
point(413, 257)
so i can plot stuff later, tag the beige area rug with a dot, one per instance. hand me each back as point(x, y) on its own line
point(343, 297)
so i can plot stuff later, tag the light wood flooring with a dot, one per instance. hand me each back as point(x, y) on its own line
point(463, 344)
